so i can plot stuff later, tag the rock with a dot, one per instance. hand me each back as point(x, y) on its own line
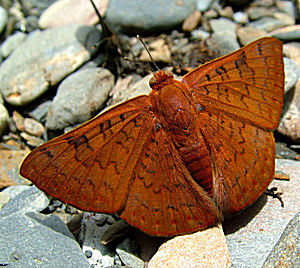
point(192, 21)
point(11, 43)
point(35, 7)
point(33, 127)
point(10, 161)
point(150, 16)
point(288, 33)
point(240, 17)
point(4, 199)
point(292, 51)
point(51, 243)
point(3, 19)
point(224, 42)
point(292, 72)
point(159, 51)
point(41, 111)
point(66, 12)
point(199, 34)
point(43, 60)
point(287, 7)
point(222, 25)
point(127, 256)
point(226, 12)
point(204, 5)
point(210, 14)
point(4, 116)
point(256, 12)
point(92, 228)
point(286, 251)
point(79, 97)
point(207, 248)
point(248, 34)
point(32, 140)
point(31, 199)
point(256, 230)
point(15, 190)
point(270, 24)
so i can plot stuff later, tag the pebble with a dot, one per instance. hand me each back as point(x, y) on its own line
point(31, 140)
point(204, 5)
point(256, 12)
point(292, 51)
point(156, 15)
point(292, 72)
point(31, 199)
point(3, 19)
point(18, 119)
point(10, 161)
point(72, 12)
point(199, 34)
point(207, 248)
point(270, 24)
point(79, 97)
point(37, 240)
point(249, 33)
point(11, 43)
point(4, 199)
point(159, 51)
point(15, 190)
point(35, 7)
point(287, 7)
point(226, 12)
point(33, 127)
point(224, 42)
point(41, 111)
point(256, 230)
point(43, 60)
point(240, 17)
point(287, 33)
point(286, 252)
point(192, 21)
point(4, 116)
point(223, 24)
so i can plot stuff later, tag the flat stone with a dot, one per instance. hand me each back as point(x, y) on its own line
point(222, 25)
point(67, 12)
point(43, 60)
point(249, 34)
point(256, 230)
point(207, 248)
point(33, 127)
point(286, 251)
point(37, 240)
point(11, 43)
point(288, 33)
point(204, 5)
point(4, 199)
point(292, 72)
point(136, 17)
point(272, 23)
point(79, 97)
point(223, 42)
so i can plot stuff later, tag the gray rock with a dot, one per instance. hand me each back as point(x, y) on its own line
point(3, 18)
point(139, 16)
point(28, 200)
point(240, 17)
point(292, 72)
point(270, 24)
point(35, 7)
point(256, 230)
point(126, 254)
point(286, 251)
point(43, 60)
point(288, 33)
point(36, 240)
point(222, 25)
point(40, 112)
point(204, 5)
point(79, 97)
point(223, 42)
point(199, 34)
point(4, 199)
point(15, 190)
point(249, 33)
point(287, 7)
point(92, 228)
point(11, 43)
point(256, 12)
point(4, 116)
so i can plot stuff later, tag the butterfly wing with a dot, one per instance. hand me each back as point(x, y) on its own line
point(247, 84)
point(122, 162)
point(240, 97)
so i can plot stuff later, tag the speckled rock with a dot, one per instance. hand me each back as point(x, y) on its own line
point(43, 60)
point(11, 43)
point(249, 33)
point(292, 72)
point(223, 42)
point(138, 16)
point(288, 33)
point(79, 97)
point(202, 249)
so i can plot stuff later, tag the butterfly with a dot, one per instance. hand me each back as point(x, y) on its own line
point(181, 158)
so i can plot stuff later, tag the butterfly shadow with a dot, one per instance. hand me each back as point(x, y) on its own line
point(241, 219)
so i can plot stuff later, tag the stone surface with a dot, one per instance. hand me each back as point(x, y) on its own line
point(3, 18)
point(4, 116)
point(270, 24)
point(66, 12)
point(207, 248)
point(33, 127)
point(240, 17)
point(287, 33)
point(10, 161)
point(11, 43)
point(43, 60)
point(79, 97)
point(257, 229)
point(36, 240)
point(138, 16)
point(191, 21)
point(223, 42)
point(204, 5)
point(31, 199)
point(248, 34)
point(222, 25)
point(286, 251)
point(4, 199)
point(292, 72)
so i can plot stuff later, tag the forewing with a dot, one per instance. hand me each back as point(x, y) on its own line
point(91, 166)
point(163, 199)
point(247, 84)
point(242, 158)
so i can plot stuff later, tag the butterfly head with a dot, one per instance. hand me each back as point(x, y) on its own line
point(160, 78)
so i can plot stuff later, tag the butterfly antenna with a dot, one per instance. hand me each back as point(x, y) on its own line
point(143, 43)
point(107, 31)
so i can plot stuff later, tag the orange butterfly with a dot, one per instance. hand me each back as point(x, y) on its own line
point(180, 159)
